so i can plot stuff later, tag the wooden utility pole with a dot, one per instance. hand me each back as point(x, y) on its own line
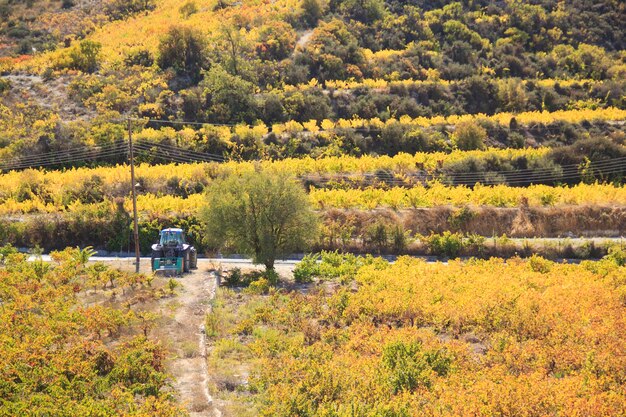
point(132, 181)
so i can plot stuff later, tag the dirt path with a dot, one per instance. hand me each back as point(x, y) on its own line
point(185, 334)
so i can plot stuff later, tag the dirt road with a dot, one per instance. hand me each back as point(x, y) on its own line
point(184, 335)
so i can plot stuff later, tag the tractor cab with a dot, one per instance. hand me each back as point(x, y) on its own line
point(171, 237)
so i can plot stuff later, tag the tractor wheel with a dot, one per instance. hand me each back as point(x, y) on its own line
point(152, 263)
point(186, 261)
point(193, 258)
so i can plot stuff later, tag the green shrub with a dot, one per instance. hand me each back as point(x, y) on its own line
point(617, 255)
point(5, 251)
point(233, 278)
point(447, 244)
point(188, 9)
point(122, 9)
point(140, 56)
point(409, 367)
point(183, 49)
point(468, 136)
point(5, 85)
point(85, 57)
point(306, 269)
point(539, 264)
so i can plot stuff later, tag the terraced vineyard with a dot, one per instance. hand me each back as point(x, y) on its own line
point(418, 339)
point(490, 131)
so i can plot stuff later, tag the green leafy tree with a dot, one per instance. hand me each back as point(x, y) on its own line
point(183, 49)
point(262, 215)
point(365, 11)
point(333, 52)
point(85, 56)
point(276, 40)
point(312, 12)
point(229, 98)
point(122, 9)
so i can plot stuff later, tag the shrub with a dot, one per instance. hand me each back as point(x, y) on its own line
point(121, 9)
point(188, 9)
point(5, 251)
point(233, 278)
point(469, 136)
point(447, 244)
point(84, 57)
point(183, 49)
point(276, 40)
point(5, 85)
point(259, 287)
point(539, 264)
point(306, 269)
point(140, 56)
point(227, 97)
point(617, 255)
point(409, 367)
point(312, 12)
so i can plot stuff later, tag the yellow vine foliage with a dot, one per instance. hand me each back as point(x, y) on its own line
point(384, 84)
point(476, 338)
point(435, 194)
point(504, 119)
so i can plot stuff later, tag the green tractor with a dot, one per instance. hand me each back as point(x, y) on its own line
point(172, 254)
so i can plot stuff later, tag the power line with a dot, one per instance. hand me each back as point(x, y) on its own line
point(64, 160)
point(537, 125)
point(529, 171)
point(172, 158)
point(65, 152)
point(619, 162)
point(177, 154)
point(209, 157)
point(615, 166)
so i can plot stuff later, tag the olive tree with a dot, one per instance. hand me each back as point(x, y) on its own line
point(262, 215)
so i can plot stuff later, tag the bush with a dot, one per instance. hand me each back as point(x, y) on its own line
point(259, 287)
point(311, 12)
point(122, 9)
point(409, 367)
point(188, 9)
point(468, 136)
point(447, 244)
point(227, 98)
point(617, 255)
point(234, 278)
point(5, 252)
point(183, 49)
point(5, 85)
point(276, 40)
point(141, 57)
point(84, 57)
point(306, 269)
point(539, 264)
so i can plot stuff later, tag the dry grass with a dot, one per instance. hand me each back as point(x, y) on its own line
point(554, 221)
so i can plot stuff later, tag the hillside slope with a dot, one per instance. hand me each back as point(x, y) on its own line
point(262, 62)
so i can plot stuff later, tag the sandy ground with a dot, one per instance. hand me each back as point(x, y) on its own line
point(186, 335)
point(181, 331)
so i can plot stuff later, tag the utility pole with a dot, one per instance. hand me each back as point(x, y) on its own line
point(132, 181)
